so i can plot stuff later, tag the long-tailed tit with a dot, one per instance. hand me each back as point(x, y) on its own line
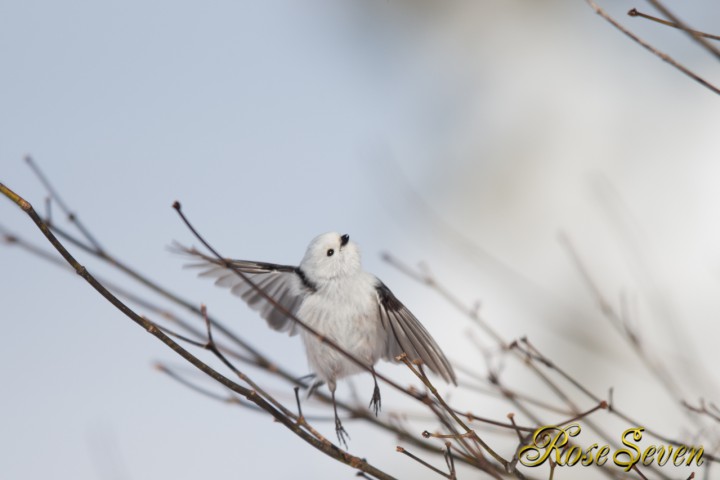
point(331, 294)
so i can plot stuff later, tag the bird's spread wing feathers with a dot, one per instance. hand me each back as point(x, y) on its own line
point(286, 285)
point(407, 335)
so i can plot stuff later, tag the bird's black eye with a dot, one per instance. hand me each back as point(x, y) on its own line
point(330, 252)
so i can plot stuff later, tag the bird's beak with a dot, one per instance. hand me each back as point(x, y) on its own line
point(344, 240)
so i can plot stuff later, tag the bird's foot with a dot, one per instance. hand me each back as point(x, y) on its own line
point(375, 402)
point(342, 435)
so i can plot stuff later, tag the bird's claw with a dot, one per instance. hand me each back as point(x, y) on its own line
point(342, 435)
point(375, 402)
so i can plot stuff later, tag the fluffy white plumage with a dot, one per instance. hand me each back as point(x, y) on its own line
point(344, 308)
point(331, 293)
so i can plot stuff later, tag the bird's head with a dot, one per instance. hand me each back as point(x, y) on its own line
point(329, 256)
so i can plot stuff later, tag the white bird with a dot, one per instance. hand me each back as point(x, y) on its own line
point(331, 294)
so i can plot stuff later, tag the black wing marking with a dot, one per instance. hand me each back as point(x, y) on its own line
point(286, 284)
point(407, 335)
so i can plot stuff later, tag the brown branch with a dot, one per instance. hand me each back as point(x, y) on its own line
point(449, 417)
point(282, 309)
point(323, 339)
point(212, 347)
point(616, 319)
point(499, 390)
point(257, 359)
point(63, 206)
point(469, 432)
point(634, 12)
point(445, 293)
point(430, 281)
point(699, 39)
point(511, 417)
point(663, 56)
point(327, 448)
point(611, 408)
point(640, 474)
point(450, 460)
point(424, 277)
point(422, 462)
point(713, 412)
point(231, 399)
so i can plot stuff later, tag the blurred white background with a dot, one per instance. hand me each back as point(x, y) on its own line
point(466, 135)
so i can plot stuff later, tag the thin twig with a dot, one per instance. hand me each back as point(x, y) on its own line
point(713, 412)
point(257, 359)
point(684, 27)
point(436, 286)
point(422, 462)
point(450, 460)
point(663, 56)
point(634, 12)
point(469, 431)
point(328, 449)
point(611, 408)
point(321, 338)
point(640, 474)
point(63, 206)
point(203, 391)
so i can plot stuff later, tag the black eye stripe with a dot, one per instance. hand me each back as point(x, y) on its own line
point(330, 252)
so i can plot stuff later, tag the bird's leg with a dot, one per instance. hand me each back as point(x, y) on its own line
point(375, 400)
point(339, 430)
point(300, 418)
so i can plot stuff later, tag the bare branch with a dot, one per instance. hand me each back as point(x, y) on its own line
point(325, 447)
point(663, 56)
point(634, 12)
point(699, 39)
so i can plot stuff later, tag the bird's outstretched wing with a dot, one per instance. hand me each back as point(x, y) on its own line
point(285, 284)
point(407, 335)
